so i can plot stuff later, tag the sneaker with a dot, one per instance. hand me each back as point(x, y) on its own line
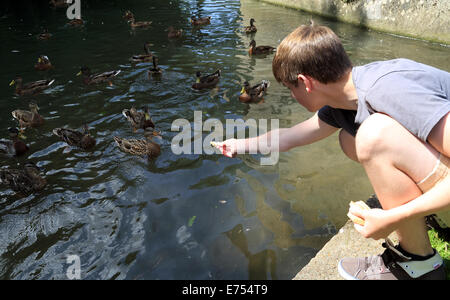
point(392, 265)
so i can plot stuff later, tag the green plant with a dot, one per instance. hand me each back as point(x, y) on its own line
point(442, 247)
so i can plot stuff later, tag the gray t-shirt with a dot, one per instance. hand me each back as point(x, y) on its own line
point(414, 94)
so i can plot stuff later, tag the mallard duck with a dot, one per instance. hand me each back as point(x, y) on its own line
point(144, 147)
point(260, 49)
point(155, 71)
point(254, 93)
point(43, 63)
point(59, 3)
point(76, 22)
point(28, 118)
point(174, 33)
point(89, 78)
point(251, 28)
point(138, 119)
point(13, 147)
point(30, 88)
point(206, 81)
point(44, 35)
point(75, 138)
point(142, 57)
point(130, 17)
point(27, 180)
point(200, 21)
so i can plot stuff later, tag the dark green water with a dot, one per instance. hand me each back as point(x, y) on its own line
point(179, 216)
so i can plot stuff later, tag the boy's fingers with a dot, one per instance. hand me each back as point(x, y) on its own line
point(357, 212)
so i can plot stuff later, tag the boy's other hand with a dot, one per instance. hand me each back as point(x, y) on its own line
point(377, 222)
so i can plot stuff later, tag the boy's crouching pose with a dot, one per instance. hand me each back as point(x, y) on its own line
point(394, 120)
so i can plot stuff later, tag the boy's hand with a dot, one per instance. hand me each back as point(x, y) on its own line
point(377, 222)
point(228, 147)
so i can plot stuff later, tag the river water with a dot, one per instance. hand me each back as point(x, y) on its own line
point(189, 216)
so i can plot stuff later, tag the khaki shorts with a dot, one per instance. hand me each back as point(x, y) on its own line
point(441, 170)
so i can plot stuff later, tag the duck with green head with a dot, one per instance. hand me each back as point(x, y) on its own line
point(207, 81)
point(253, 93)
point(30, 88)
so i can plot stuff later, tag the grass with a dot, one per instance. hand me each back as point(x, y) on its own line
point(442, 247)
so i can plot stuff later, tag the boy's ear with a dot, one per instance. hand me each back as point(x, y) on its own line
point(307, 81)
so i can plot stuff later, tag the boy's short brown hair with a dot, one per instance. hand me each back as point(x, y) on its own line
point(310, 50)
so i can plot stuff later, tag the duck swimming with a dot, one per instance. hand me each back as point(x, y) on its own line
point(200, 21)
point(89, 78)
point(206, 81)
point(26, 180)
point(138, 119)
point(144, 147)
point(260, 49)
point(13, 147)
point(155, 71)
point(75, 138)
point(251, 28)
point(30, 88)
point(254, 93)
point(28, 118)
point(143, 57)
point(43, 63)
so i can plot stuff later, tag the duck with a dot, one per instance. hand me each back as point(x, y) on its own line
point(28, 118)
point(13, 147)
point(26, 180)
point(144, 147)
point(138, 119)
point(130, 17)
point(254, 93)
point(89, 78)
point(260, 49)
point(76, 22)
point(43, 63)
point(30, 88)
point(44, 35)
point(200, 21)
point(174, 33)
point(251, 28)
point(142, 57)
point(59, 3)
point(156, 70)
point(75, 138)
point(206, 81)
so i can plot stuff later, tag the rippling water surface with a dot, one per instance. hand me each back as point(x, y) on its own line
point(178, 216)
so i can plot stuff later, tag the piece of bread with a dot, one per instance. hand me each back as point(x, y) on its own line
point(355, 219)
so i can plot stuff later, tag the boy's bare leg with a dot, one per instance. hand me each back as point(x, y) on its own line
point(395, 161)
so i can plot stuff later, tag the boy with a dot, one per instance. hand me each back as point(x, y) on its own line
point(393, 116)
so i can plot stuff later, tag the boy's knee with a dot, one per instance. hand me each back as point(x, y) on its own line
point(372, 136)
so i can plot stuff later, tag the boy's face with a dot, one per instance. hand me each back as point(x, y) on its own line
point(307, 100)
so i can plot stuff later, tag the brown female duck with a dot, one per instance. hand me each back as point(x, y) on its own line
point(254, 93)
point(43, 63)
point(260, 49)
point(147, 56)
point(156, 70)
point(206, 81)
point(26, 180)
point(251, 28)
point(200, 21)
point(13, 147)
point(89, 78)
point(138, 119)
point(140, 24)
point(75, 138)
point(28, 118)
point(30, 88)
point(144, 147)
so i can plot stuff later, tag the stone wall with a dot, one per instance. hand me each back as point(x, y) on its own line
point(422, 19)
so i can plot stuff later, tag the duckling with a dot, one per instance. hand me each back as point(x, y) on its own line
point(89, 78)
point(206, 81)
point(43, 63)
point(138, 119)
point(75, 138)
point(139, 147)
point(174, 33)
point(130, 17)
point(200, 21)
point(45, 35)
point(251, 28)
point(255, 93)
point(155, 71)
point(142, 57)
point(76, 22)
point(260, 49)
point(30, 88)
point(27, 180)
point(28, 118)
point(13, 147)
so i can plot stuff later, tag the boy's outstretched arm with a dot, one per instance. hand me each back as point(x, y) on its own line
point(304, 133)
